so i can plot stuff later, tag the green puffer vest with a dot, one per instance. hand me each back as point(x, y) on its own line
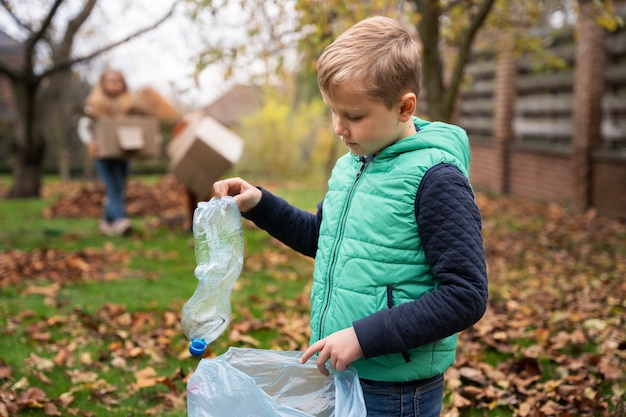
point(369, 253)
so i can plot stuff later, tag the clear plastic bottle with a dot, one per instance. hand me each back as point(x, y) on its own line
point(218, 240)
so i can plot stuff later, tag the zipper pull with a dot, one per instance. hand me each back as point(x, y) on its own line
point(364, 161)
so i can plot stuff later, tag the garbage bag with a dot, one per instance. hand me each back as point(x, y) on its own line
point(268, 383)
point(218, 241)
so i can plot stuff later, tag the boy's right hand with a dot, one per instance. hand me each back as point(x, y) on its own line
point(245, 195)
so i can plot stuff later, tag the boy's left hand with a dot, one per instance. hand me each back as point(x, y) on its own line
point(342, 348)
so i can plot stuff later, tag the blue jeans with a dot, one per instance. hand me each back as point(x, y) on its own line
point(114, 174)
point(422, 398)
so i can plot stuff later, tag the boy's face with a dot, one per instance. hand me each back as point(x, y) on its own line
point(365, 126)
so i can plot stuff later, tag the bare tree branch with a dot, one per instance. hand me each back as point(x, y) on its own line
point(31, 42)
point(64, 64)
point(74, 25)
point(9, 10)
point(464, 51)
point(6, 70)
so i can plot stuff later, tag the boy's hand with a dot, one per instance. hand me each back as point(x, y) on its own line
point(245, 195)
point(342, 348)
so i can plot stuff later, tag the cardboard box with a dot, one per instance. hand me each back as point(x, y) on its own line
point(128, 137)
point(202, 153)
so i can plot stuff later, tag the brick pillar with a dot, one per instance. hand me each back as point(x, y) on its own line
point(504, 108)
point(588, 92)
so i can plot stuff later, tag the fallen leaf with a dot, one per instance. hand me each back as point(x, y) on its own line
point(81, 377)
point(146, 377)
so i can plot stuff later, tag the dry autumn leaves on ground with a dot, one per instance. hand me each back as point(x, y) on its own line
point(78, 339)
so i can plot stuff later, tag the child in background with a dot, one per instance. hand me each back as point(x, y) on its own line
point(110, 97)
point(399, 259)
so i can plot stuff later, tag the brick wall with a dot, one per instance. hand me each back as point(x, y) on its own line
point(484, 166)
point(608, 190)
point(541, 175)
point(525, 135)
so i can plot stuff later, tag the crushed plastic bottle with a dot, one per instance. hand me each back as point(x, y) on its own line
point(218, 241)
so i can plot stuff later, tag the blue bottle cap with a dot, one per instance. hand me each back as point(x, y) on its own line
point(197, 347)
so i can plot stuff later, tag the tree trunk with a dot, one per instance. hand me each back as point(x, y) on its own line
point(442, 88)
point(27, 173)
point(59, 120)
point(432, 67)
point(29, 143)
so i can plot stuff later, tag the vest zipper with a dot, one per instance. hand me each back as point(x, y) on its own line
point(331, 264)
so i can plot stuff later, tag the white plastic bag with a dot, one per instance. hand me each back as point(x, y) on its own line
point(268, 383)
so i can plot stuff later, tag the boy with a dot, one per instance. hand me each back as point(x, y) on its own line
point(399, 260)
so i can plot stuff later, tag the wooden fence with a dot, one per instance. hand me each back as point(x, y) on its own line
point(552, 135)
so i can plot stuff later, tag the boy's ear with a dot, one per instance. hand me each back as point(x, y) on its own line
point(408, 102)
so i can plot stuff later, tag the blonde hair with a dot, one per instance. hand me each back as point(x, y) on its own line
point(377, 56)
point(101, 103)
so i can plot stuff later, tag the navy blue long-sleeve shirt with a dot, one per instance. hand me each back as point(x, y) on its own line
point(450, 231)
